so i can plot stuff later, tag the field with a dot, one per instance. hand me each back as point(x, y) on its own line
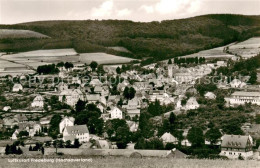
point(103, 58)
point(33, 59)
point(246, 49)
point(10, 33)
point(212, 53)
point(120, 49)
point(133, 162)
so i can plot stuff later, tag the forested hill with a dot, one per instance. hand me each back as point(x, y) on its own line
point(158, 40)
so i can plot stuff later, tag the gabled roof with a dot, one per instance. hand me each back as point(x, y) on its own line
point(98, 89)
point(69, 118)
point(93, 97)
point(168, 137)
point(18, 86)
point(235, 141)
point(192, 101)
point(77, 129)
point(250, 94)
point(38, 98)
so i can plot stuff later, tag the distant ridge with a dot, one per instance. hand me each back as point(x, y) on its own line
point(152, 41)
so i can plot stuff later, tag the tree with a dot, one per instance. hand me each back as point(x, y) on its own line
point(131, 93)
point(42, 150)
point(80, 105)
point(30, 148)
point(257, 119)
point(126, 92)
point(68, 65)
point(60, 64)
point(172, 118)
point(118, 70)
point(155, 108)
point(7, 149)
point(100, 69)
point(196, 137)
point(23, 134)
point(93, 65)
point(54, 126)
point(19, 151)
point(213, 135)
point(170, 61)
point(68, 144)
point(76, 143)
point(253, 77)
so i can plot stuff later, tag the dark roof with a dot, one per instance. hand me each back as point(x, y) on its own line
point(77, 129)
point(235, 141)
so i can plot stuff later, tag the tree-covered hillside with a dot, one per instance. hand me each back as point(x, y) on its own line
point(157, 40)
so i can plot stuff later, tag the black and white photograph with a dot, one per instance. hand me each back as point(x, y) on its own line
point(129, 83)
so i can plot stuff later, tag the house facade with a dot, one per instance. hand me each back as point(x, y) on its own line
point(38, 102)
point(116, 113)
point(234, 146)
point(66, 121)
point(79, 132)
point(240, 98)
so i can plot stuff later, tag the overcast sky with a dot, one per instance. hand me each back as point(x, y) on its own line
point(18, 11)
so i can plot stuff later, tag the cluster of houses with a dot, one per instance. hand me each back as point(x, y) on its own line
point(167, 83)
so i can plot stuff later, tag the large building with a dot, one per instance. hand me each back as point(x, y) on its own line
point(79, 132)
point(240, 98)
point(234, 146)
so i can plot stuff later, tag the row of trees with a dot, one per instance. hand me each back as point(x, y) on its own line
point(13, 149)
point(47, 69)
point(52, 68)
point(191, 60)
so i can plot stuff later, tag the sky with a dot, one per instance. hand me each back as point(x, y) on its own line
point(19, 11)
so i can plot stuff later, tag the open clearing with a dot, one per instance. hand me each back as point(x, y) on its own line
point(45, 53)
point(120, 49)
point(33, 59)
point(212, 53)
point(103, 58)
point(119, 162)
point(12, 33)
point(246, 49)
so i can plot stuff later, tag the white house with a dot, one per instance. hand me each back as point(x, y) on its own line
point(71, 97)
point(17, 87)
point(234, 146)
point(210, 95)
point(66, 121)
point(38, 102)
point(169, 138)
point(240, 98)
point(35, 128)
point(15, 135)
point(6, 108)
point(236, 83)
point(116, 113)
point(79, 132)
point(192, 104)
